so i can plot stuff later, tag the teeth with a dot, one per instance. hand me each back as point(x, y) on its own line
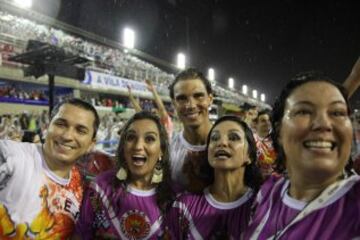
point(65, 146)
point(319, 144)
point(222, 154)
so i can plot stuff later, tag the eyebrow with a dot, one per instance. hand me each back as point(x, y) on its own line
point(305, 102)
point(67, 122)
point(149, 132)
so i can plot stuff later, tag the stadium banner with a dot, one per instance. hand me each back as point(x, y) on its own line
point(103, 80)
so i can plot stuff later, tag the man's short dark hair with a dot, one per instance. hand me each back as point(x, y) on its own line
point(247, 106)
point(189, 74)
point(263, 112)
point(81, 104)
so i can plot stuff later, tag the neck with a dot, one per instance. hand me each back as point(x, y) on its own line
point(307, 190)
point(198, 135)
point(227, 187)
point(142, 183)
point(263, 134)
point(58, 168)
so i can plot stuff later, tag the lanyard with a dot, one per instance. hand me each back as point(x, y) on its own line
point(315, 204)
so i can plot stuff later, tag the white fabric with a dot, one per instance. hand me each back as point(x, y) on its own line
point(179, 149)
point(22, 175)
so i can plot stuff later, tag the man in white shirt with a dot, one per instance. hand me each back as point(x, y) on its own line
point(191, 95)
point(40, 188)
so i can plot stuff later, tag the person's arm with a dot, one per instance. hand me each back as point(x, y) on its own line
point(133, 101)
point(352, 82)
point(159, 103)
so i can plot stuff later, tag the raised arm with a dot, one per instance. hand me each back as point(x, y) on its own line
point(352, 82)
point(133, 101)
point(159, 103)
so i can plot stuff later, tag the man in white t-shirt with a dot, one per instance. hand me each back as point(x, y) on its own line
point(191, 96)
point(40, 188)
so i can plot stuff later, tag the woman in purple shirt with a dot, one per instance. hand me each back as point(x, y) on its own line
point(317, 198)
point(130, 203)
point(223, 209)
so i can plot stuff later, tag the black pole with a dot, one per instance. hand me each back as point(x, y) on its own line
point(51, 92)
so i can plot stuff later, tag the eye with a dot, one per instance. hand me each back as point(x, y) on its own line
point(214, 137)
point(199, 95)
point(130, 137)
point(302, 112)
point(339, 113)
point(59, 124)
point(181, 98)
point(234, 137)
point(82, 131)
point(150, 139)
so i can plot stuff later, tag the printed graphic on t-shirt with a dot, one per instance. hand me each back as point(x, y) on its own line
point(55, 220)
point(135, 224)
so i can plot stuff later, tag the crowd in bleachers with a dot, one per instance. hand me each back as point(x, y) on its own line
point(102, 58)
point(106, 59)
point(16, 93)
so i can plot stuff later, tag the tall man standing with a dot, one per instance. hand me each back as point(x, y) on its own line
point(40, 188)
point(191, 95)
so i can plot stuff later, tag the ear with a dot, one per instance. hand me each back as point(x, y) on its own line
point(211, 98)
point(92, 145)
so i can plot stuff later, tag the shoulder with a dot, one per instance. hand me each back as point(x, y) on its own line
point(105, 178)
point(273, 183)
point(8, 147)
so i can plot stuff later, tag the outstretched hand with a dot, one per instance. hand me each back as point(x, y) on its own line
point(353, 80)
point(129, 88)
point(149, 85)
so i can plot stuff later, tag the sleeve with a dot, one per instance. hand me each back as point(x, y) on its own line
point(7, 159)
point(84, 226)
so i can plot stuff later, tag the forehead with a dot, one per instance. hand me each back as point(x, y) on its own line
point(227, 126)
point(315, 92)
point(143, 126)
point(75, 115)
point(189, 86)
point(264, 116)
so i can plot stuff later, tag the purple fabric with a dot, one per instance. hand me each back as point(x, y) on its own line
point(194, 216)
point(337, 219)
point(107, 212)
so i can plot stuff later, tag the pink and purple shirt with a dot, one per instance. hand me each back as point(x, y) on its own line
point(335, 214)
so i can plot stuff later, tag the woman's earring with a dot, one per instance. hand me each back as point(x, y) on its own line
point(121, 174)
point(158, 173)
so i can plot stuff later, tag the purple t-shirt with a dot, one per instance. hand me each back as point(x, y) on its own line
point(336, 217)
point(200, 216)
point(112, 213)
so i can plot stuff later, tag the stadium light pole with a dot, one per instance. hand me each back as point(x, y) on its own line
point(254, 94)
point(262, 97)
point(231, 83)
point(129, 38)
point(244, 89)
point(211, 75)
point(23, 3)
point(181, 61)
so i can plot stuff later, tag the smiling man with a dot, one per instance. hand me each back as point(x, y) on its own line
point(40, 188)
point(191, 95)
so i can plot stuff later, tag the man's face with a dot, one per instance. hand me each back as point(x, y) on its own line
point(263, 125)
point(70, 135)
point(192, 102)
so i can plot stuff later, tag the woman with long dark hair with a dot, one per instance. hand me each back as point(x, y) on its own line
point(317, 197)
point(130, 203)
point(223, 209)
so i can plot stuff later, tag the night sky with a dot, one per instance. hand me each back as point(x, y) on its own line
point(260, 43)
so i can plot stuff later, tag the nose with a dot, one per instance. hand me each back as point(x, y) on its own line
point(190, 103)
point(322, 122)
point(223, 141)
point(139, 144)
point(68, 134)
